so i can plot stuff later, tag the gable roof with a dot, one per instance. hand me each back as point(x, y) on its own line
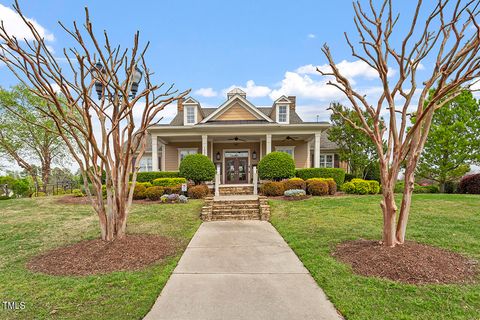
point(227, 104)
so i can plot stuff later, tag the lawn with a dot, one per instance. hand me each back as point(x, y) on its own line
point(313, 227)
point(31, 226)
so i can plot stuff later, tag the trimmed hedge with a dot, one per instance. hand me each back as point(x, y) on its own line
point(317, 187)
point(197, 168)
point(154, 193)
point(336, 173)
point(470, 184)
point(294, 183)
point(198, 191)
point(360, 186)
point(273, 188)
point(276, 166)
point(150, 176)
point(400, 186)
point(168, 182)
point(331, 184)
point(139, 192)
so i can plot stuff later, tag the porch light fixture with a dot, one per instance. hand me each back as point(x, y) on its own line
point(254, 155)
point(217, 156)
point(98, 71)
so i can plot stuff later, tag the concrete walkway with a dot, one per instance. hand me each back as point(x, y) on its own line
point(240, 270)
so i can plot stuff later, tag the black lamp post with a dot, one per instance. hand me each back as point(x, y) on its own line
point(99, 71)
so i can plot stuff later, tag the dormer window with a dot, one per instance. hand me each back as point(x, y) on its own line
point(190, 115)
point(282, 114)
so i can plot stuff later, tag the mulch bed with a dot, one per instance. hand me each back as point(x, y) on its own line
point(98, 257)
point(409, 263)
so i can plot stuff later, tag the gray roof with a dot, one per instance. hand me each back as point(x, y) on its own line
point(325, 143)
point(178, 119)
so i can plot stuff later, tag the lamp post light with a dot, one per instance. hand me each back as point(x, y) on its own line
point(99, 71)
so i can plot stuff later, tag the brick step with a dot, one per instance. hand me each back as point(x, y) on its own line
point(235, 206)
point(237, 211)
point(235, 217)
point(234, 202)
point(235, 190)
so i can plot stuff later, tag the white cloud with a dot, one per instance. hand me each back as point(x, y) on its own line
point(350, 69)
point(206, 92)
point(16, 27)
point(251, 89)
point(311, 36)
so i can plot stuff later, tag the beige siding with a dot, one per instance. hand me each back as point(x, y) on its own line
point(171, 158)
point(300, 151)
point(236, 112)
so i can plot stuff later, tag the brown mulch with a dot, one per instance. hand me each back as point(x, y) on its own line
point(411, 262)
point(98, 257)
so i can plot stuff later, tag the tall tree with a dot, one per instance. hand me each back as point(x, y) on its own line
point(355, 146)
point(449, 37)
point(453, 142)
point(23, 143)
point(101, 133)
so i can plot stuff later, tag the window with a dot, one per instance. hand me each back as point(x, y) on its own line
point(326, 161)
point(282, 114)
point(145, 164)
point(190, 115)
point(286, 149)
point(182, 153)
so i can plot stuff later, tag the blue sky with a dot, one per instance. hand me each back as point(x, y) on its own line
point(266, 47)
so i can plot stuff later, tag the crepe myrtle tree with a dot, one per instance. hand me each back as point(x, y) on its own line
point(449, 38)
point(102, 131)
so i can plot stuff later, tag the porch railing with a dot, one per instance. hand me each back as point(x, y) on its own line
point(255, 181)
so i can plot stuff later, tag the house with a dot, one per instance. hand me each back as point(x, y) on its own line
point(237, 135)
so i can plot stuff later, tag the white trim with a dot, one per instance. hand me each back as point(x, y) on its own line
point(282, 148)
point(154, 153)
point(316, 151)
point(162, 159)
point(195, 112)
point(227, 103)
point(184, 149)
point(190, 100)
point(223, 163)
point(283, 99)
point(287, 108)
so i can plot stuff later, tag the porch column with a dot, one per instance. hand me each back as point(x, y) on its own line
point(162, 164)
point(205, 145)
point(211, 150)
point(154, 153)
point(309, 165)
point(268, 144)
point(261, 150)
point(316, 151)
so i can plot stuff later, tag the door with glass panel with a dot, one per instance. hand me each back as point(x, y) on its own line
point(236, 167)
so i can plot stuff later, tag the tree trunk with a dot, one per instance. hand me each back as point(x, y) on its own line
point(389, 209)
point(406, 202)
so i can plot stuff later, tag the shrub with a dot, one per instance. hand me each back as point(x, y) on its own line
point(336, 173)
point(400, 186)
point(174, 189)
point(173, 197)
point(332, 185)
point(38, 194)
point(154, 193)
point(450, 187)
point(372, 171)
point(294, 183)
point(295, 193)
point(168, 182)
point(317, 187)
point(77, 193)
point(21, 187)
point(374, 186)
point(152, 175)
point(276, 166)
point(139, 192)
point(182, 199)
point(470, 184)
point(4, 198)
point(197, 168)
point(361, 186)
point(273, 188)
point(349, 177)
point(199, 191)
point(348, 187)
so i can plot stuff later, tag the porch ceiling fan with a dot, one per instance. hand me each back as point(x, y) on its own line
point(236, 139)
point(289, 138)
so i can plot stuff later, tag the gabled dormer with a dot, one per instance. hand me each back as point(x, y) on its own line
point(281, 109)
point(191, 112)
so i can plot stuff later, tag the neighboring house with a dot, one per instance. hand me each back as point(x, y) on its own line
point(236, 135)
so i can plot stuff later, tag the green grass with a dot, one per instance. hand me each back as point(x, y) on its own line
point(313, 227)
point(31, 226)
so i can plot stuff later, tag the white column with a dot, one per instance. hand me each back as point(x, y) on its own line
point(268, 144)
point(204, 144)
point(261, 150)
point(154, 153)
point(309, 165)
point(211, 150)
point(316, 151)
point(164, 153)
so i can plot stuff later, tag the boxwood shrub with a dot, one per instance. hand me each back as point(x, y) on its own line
point(197, 168)
point(199, 191)
point(294, 183)
point(317, 187)
point(150, 176)
point(276, 166)
point(400, 186)
point(154, 193)
point(168, 182)
point(336, 173)
point(273, 188)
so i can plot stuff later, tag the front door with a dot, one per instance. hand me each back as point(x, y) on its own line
point(236, 170)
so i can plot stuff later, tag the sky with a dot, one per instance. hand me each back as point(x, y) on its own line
point(267, 48)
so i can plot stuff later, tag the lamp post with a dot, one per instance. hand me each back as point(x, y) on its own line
point(98, 71)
